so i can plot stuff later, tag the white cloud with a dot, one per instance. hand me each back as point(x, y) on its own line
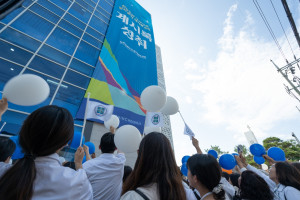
point(190, 64)
point(189, 99)
point(201, 50)
point(242, 86)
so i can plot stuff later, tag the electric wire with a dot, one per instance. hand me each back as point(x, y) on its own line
point(269, 28)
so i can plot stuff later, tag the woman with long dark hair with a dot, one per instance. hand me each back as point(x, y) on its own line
point(155, 174)
point(287, 179)
point(204, 174)
point(39, 175)
point(253, 187)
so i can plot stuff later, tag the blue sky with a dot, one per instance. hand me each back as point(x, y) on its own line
point(216, 57)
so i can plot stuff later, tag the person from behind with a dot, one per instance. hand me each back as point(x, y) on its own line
point(254, 187)
point(7, 148)
point(127, 172)
point(39, 175)
point(204, 174)
point(155, 175)
point(106, 171)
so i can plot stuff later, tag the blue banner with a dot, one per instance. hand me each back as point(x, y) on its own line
point(126, 65)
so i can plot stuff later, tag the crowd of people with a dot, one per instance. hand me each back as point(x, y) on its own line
point(41, 175)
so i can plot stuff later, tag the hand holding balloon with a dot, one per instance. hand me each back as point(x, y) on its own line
point(3, 106)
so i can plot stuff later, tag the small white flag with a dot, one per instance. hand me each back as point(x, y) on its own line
point(96, 110)
point(154, 119)
point(188, 131)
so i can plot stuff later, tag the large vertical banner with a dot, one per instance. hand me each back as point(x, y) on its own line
point(126, 65)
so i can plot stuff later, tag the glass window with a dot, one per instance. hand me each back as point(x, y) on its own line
point(26, 3)
point(87, 53)
point(12, 15)
point(44, 13)
point(74, 21)
point(104, 12)
point(69, 97)
point(47, 67)
point(51, 7)
point(20, 39)
point(80, 12)
point(77, 79)
point(54, 54)
point(91, 3)
point(13, 121)
point(33, 25)
point(14, 53)
point(81, 67)
point(92, 40)
point(85, 5)
point(98, 25)
point(69, 27)
point(63, 41)
point(106, 6)
point(7, 71)
point(101, 16)
point(94, 33)
point(64, 4)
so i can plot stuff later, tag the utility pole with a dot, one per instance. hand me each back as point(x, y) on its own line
point(291, 20)
point(285, 75)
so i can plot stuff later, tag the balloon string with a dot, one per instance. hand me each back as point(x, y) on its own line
point(181, 116)
point(84, 120)
point(2, 126)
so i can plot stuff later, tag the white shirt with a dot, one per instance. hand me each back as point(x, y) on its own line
point(105, 174)
point(55, 182)
point(228, 188)
point(151, 192)
point(4, 167)
point(282, 192)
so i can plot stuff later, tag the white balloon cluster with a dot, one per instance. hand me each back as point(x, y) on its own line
point(26, 90)
point(154, 99)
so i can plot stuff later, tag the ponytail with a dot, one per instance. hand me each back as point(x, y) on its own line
point(17, 182)
point(220, 195)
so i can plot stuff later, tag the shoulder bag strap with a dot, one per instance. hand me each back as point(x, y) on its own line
point(141, 194)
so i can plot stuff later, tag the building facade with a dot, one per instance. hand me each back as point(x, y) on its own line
point(58, 40)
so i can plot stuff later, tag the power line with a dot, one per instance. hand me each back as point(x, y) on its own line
point(269, 27)
point(283, 29)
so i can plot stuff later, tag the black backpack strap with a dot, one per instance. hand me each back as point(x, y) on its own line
point(197, 196)
point(141, 194)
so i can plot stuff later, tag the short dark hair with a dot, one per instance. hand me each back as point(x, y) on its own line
point(127, 172)
point(254, 187)
point(234, 178)
point(107, 143)
point(7, 148)
point(225, 175)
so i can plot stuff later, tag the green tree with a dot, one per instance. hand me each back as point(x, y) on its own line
point(290, 147)
point(217, 149)
point(245, 150)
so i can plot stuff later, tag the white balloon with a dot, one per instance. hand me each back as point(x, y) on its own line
point(153, 98)
point(264, 167)
point(171, 107)
point(127, 138)
point(149, 129)
point(113, 121)
point(26, 90)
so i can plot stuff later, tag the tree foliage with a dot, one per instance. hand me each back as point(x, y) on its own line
point(217, 149)
point(290, 147)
